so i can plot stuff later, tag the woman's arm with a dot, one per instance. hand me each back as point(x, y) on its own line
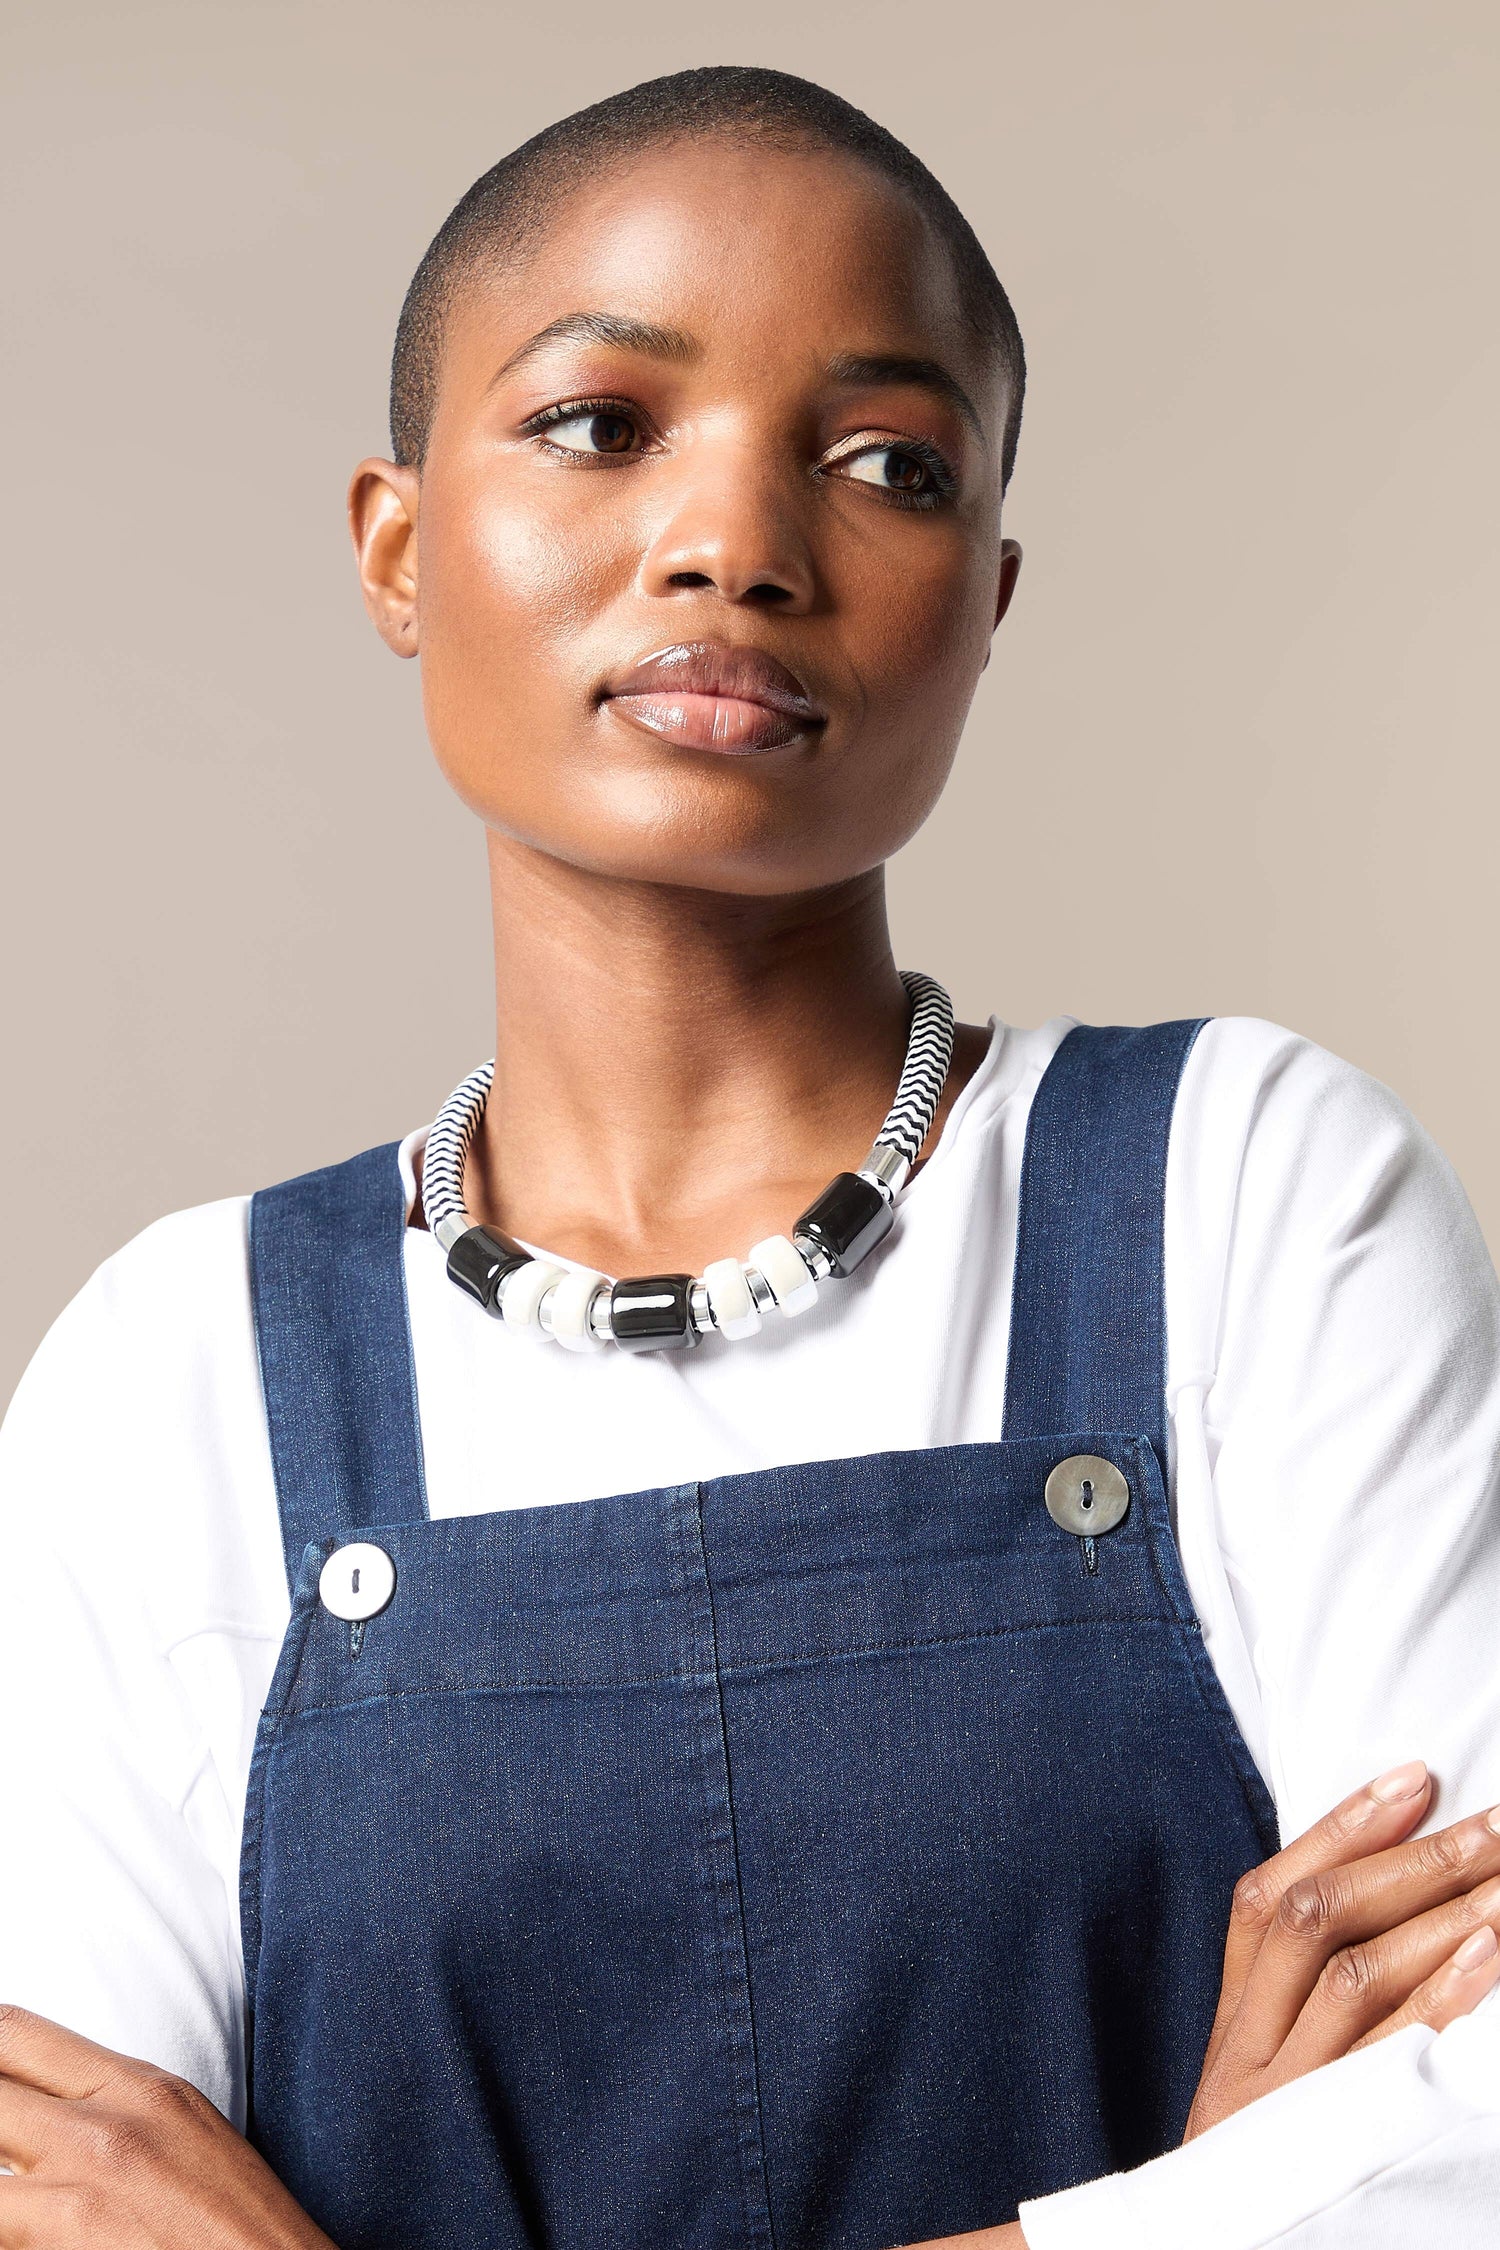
point(1337, 1421)
point(139, 1624)
point(108, 2151)
point(1343, 1938)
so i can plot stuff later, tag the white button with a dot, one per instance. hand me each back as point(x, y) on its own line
point(357, 1581)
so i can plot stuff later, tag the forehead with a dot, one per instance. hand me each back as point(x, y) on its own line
point(770, 258)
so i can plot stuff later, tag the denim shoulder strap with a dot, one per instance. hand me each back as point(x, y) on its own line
point(328, 1288)
point(1088, 1318)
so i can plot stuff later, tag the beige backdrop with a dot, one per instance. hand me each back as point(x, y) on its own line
point(1236, 750)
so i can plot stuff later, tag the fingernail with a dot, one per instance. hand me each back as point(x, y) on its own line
point(1492, 1819)
point(1401, 1781)
point(1476, 1949)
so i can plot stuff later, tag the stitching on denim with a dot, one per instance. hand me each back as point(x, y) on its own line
point(739, 1895)
point(252, 1831)
point(733, 1671)
point(1187, 1638)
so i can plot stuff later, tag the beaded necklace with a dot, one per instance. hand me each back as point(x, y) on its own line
point(583, 1310)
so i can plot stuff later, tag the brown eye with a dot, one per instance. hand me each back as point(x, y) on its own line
point(891, 466)
point(586, 432)
point(610, 433)
point(904, 471)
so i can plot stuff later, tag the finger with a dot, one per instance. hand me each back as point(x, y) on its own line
point(1364, 1983)
point(1372, 1819)
point(1459, 1985)
point(1346, 1905)
point(30, 2123)
point(43, 2054)
point(47, 2215)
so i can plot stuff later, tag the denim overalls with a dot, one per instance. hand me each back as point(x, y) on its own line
point(818, 1859)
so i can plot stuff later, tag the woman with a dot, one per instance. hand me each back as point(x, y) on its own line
point(832, 1842)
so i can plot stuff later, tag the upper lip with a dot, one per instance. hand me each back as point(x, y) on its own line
point(718, 668)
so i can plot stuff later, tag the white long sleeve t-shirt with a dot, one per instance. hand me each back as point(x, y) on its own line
point(1333, 1327)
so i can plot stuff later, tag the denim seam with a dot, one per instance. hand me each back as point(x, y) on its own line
point(1188, 1640)
point(253, 1831)
point(735, 1671)
point(758, 2222)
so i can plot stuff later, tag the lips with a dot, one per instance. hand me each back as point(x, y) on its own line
point(711, 695)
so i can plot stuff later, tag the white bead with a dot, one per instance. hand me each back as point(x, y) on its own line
point(569, 1309)
point(521, 1298)
point(782, 1263)
point(729, 1298)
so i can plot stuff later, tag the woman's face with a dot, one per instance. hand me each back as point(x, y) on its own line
point(707, 553)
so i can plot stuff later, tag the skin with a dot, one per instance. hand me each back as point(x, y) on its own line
point(698, 1015)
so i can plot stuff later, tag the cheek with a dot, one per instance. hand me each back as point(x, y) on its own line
point(506, 598)
point(921, 635)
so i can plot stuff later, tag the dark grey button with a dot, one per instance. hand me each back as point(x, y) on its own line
point(1087, 1494)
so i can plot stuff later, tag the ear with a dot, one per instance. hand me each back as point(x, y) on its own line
point(383, 524)
point(1010, 571)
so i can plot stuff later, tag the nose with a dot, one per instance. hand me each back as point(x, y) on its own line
point(732, 527)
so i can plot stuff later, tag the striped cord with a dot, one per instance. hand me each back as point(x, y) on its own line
point(448, 1142)
point(929, 1051)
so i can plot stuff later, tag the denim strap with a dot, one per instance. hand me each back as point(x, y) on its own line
point(328, 1289)
point(1088, 1322)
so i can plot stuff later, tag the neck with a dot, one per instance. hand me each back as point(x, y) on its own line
point(678, 1072)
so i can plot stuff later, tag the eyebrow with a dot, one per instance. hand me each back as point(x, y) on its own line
point(890, 370)
point(617, 329)
point(861, 370)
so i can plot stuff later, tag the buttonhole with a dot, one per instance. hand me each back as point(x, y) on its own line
point(1089, 1549)
point(1085, 1500)
point(357, 1632)
point(354, 1581)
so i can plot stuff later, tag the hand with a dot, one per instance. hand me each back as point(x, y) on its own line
point(1348, 1935)
point(988, 2238)
point(110, 2151)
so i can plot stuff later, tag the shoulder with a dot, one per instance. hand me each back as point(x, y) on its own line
point(1267, 1081)
point(150, 1309)
point(1294, 1177)
point(134, 1456)
point(1275, 1114)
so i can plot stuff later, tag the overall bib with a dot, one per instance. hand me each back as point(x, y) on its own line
point(817, 1859)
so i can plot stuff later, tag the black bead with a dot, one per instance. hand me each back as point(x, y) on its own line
point(848, 1219)
point(653, 1313)
point(479, 1261)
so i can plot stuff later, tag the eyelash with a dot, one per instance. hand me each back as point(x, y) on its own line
point(939, 468)
point(944, 484)
point(574, 410)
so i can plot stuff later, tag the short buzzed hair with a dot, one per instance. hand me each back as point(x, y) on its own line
point(511, 203)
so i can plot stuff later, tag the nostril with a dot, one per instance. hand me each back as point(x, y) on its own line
point(689, 578)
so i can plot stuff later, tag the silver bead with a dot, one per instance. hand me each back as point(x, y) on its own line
point(815, 1256)
point(886, 1168)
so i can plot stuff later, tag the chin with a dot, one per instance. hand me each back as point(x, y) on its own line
point(682, 829)
point(739, 867)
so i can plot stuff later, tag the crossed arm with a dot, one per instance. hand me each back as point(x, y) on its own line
point(1354, 1931)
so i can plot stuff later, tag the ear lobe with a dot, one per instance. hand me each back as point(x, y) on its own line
point(383, 501)
point(1010, 571)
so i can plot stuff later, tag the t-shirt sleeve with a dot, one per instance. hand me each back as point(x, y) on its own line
point(1338, 1399)
point(127, 1669)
